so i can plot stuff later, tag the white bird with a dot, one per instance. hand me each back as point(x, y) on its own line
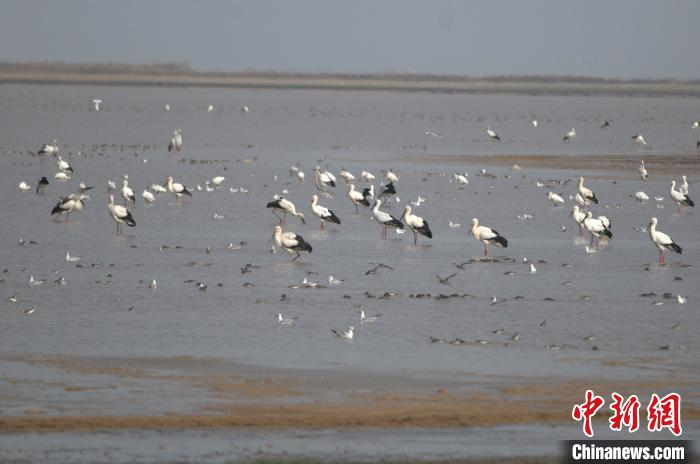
point(177, 189)
point(290, 242)
point(695, 125)
point(570, 135)
point(63, 166)
point(492, 133)
point(391, 177)
point(295, 172)
point(487, 235)
point(61, 176)
point(218, 180)
point(596, 227)
point(417, 224)
point(71, 259)
point(684, 185)
point(461, 178)
point(357, 198)
point(662, 241)
point(385, 219)
point(148, 197)
point(639, 138)
point(157, 188)
point(323, 213)
point(24, 187)
point(286, 206)
point(367, 176)
point(586, 193)
point(333, 281)
point(166, 107)
point(96, 102)
point(210, 108)
point(34, 282)
point(347, 177)
point(153, 284)
point(534, 123)
point(28, 311)
point(681, 299)
point(643, 171)
point(366, 319)
point(120, 215)
point(346, 334)
point(323, 179)
point(605, 221)
point(245, 109)
point(418, 201)
point(111, 186)
point(641, 196)
point(308, 284)
point(283, 321)
point(680, 198)
point(67, 205)
point(555, 199)
point(49, 149)
point(454, 225)
point(175, 142)
point(579, 199)
point(127, 193)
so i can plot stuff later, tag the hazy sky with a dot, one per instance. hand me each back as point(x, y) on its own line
point(645, 38)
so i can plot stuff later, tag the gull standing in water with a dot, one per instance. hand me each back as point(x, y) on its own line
point(120, 215)
point(346, 334)
point(323, 213)
point(639, 138)
point(662, 241)
point(290, 242)
point(286, 206)
point(492, 133)
point(385, 219)
point(570, 135)
point(357, 198)
point(417, 224)
point(487, 235)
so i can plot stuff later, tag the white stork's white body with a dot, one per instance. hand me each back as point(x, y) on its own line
point(120, 215)
point(680, 198)
point(492, 134)
point(290, 242)
point(643, 171)
point(578, 218)
point(63, 165)
point(356, 198)
point(487, 235)
point(286, 206)
point(684, 185)
point(555, 199)
point(148, 197)
point(324, 179)
point(596, 227)
point(570, 135)
point(586, 193)
point(662, 241)
point(323, 213)
point(385, 219)
point(417, 224)
point(127, 193)
point(177, 189)
point(347, 176)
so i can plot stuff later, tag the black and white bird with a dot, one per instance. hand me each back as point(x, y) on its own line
point(63, 166)
point(662, 241)
point(290, 242)
point(120, 214)
point(357, 198)
point(323, 213)
point(639, 138)
point(643, 171)
point(680, 198)
point(417, 224)
point(365, 319)
point(282, 204)
point(42, 185)
point(283, 321)
point(387, 192)
point(461, 179)
point(596, 227)
point(385, 219)
point(578, 218)
point(49, 149)
point(346, 334)
point(605, 124)
point(487, 236)
point(175, 144)
point(323, 179)
point(492, 133)
point(570, 135)
point(586, 193)
point(127, 193)
point(177, 189)
point(67, 205)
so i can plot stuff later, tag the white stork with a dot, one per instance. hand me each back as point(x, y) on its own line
point(323, 179)
point(286, 206)
point(555, 199)
point(357, 198)
point(347, 176)
point(680, 198)
point(148, 197)
point(586, 193)
point(662, 241)
point(385, 219)
point(596, 227)
point(120, 215)
point(578, 218)
point(570, 135)
point(127, 193)
point(323, 213)
point(177, 189)
point(487, 235)
point(67, 205)
point(290, 242)
point(417, 224)
point(64, 166)
point(643, 171)
point(684, 185)
point(294, 171)
point(175, 142)
point(461, 178)
point(391, 177)
point(49, 149)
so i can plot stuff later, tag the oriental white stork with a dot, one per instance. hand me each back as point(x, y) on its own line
point(127, 193)
point(323, 213)
point(578, 218)
point(586, 193)
point(417, 224)
point(662, 241)
point(67, 205)
point(385, 219)
point(347, 176)
point(177, 189)
point(684, 185)
point(555, 199)
point(175, 144)
point(323, 179)
point(120, 215)
point(63, 166)
point(286, 206)
point(570, 135)
point(487, 235)
point(49, 149)
point(639, 138)
point(643, 171)
point(680, 198)
point(596, 227)
point(357, 198)
point(290, 242)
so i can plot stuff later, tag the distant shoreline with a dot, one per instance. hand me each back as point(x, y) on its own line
point(183, 76)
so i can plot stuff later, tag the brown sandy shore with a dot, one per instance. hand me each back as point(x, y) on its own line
point(182, 75)
point(235, 395)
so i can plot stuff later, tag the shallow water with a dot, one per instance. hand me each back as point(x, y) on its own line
point(90, 316)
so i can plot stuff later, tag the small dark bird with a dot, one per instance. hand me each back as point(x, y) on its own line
point(461, 265)
point(445, 280)
point(42, 186)
point(605, 124)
